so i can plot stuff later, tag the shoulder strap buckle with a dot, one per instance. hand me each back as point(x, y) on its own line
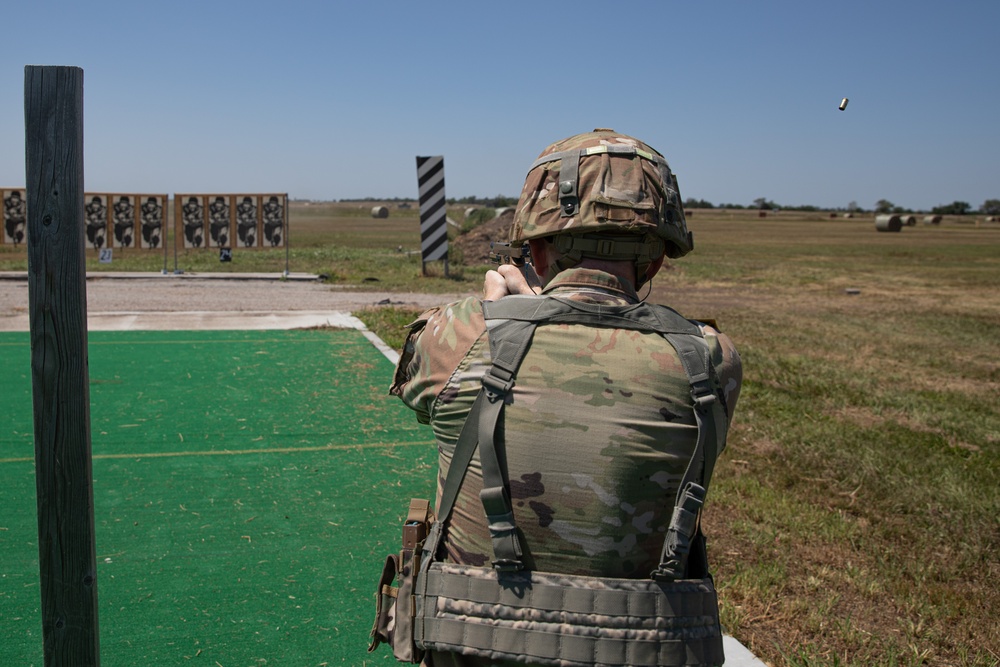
point(507, 565)
point(704, 400)
point(496, 388)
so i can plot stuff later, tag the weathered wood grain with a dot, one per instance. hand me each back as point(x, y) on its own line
point(53, 116)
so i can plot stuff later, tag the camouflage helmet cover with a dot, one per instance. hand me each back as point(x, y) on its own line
point(602, 181)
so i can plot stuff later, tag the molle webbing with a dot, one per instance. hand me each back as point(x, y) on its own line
point(551, 619)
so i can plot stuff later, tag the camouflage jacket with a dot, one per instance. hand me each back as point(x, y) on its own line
point(597, 437)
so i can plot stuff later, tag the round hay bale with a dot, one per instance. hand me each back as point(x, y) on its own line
point(761, 214)
point(501, 211)
point(932, 219)
point(380, 212)
point(848, 215)
point(909, 220)
point(469, 211)
point(888, 223)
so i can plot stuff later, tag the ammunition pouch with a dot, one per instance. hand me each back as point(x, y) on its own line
point(394, 605)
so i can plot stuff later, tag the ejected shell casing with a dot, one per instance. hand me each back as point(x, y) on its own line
point(843, 104)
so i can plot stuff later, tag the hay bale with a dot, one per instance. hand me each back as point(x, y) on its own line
point(761, 214)
point(380, 212)
point(888, 223)
point(469, 211)
point(909, 220)
point(932, 219)
point(848, 215)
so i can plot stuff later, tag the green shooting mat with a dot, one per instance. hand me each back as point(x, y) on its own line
point(247, 487)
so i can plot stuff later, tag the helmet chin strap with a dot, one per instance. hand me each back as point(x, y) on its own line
point(649, 289)
point(573, 248)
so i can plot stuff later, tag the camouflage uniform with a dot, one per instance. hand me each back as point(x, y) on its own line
point(597, 437)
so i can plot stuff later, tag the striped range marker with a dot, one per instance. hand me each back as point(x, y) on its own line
point(433, 225)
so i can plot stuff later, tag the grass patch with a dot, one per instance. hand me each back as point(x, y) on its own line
point(389, 324)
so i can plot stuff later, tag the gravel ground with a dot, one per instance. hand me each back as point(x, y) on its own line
point(169, 294)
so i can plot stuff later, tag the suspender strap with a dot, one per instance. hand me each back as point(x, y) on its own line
point(507, 350)
point(464, 449)
point(681, 533)
point(509, 341)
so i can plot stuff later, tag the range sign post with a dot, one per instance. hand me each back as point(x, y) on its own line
point(433, 224)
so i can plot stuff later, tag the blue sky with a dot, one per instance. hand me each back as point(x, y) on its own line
point(329, 100)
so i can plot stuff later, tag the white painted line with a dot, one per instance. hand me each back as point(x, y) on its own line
point(379, 344)
point(738, 655)
point(218, 320)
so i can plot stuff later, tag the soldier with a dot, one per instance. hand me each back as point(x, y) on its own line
point(152, 222)
point(246, 222)
point(14, 216)
point(274, 219)
point(218, 225)
point(97, 221)
point(194, 222)
point(124, 213)
point(600, 425)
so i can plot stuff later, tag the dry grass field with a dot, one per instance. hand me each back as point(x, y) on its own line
point(853, 517)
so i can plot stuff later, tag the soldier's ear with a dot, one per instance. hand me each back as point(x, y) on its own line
point(654, 267)
point(539, 254)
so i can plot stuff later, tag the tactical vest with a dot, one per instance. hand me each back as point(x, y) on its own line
point(509, 613)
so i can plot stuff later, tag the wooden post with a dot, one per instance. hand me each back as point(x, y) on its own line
point(57, 301)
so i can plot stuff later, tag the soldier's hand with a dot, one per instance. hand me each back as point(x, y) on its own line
point(510, 279)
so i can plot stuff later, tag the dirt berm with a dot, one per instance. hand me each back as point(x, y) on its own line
point(475, 244)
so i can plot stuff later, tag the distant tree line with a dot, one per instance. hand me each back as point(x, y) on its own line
point(499, 201)
point(379, 199)
point(989, 207)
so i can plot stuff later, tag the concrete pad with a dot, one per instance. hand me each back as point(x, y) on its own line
point(148, 275)
point(738, 655)
point(204, 320)
point(231, 320)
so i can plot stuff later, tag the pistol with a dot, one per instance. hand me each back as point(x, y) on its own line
point(505, 253)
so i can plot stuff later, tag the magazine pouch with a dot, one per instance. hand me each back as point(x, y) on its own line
point(394, 604)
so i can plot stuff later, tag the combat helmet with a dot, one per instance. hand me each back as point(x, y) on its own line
point(603, 194)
